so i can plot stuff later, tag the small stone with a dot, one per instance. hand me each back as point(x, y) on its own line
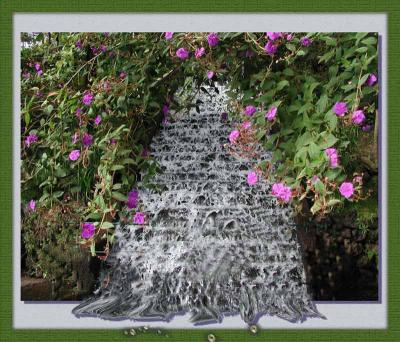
point(211, 338)
point(253, 329)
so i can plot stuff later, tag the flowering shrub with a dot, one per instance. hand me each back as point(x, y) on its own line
point(91, 103)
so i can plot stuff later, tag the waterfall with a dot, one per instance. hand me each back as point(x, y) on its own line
point(212, 244)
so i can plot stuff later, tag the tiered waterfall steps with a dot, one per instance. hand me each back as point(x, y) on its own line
point(212, 244)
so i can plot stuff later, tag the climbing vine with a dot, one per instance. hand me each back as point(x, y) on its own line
point(91, 102)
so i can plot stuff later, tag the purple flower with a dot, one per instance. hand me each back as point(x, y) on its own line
point(103, 48)
point(305, 41)
point(106, 34)
point(358, 117)
point(289, 37)
point(168, 35)
point(233, 136)
point(87, 98)
point(274, 35)
point(88, 230)
point(31, 138)
point(95, 50)
point(270, 48)
point(224, 116)
point(249, 53)
point(210, 74)
point(113, 141)
point(246, 124)
point(271, 114)
point(366, 128)
point(182, 53)
point(31, 205)
point(26, 75)
point(371, 80)
point(37, 66)
point(145, 153)
point(132, 199)
point(340, 108)
point(346, 189)
point(139, 218)
point(87, 139)
point(199, 52)
point(281, 192)
point(78, 44)
point(40, 72)
point(165, 109)
point(333, 156)
point(122, 74)
point(97, 120)
point(74, 155)
point(252, 178)
point(212, 39)
point(250, 110)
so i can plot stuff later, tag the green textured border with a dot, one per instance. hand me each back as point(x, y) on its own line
point(8, 7)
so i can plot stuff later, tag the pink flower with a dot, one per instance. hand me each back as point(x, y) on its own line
point(250, 110)
point(358, 117)
point(289, 37)
point(75, 138)
point(97, 120)
point(103, 48)
point(31, 138)
point(199, 52)
point(212, 39)
point(165, 109)
point(139, 218)
point(252, 178)
point(233, 136)
point(281, 192)
point(122, 75)
point(305, 41)
point(168, 35)
point(31, 205)
point(346, 189)
point(270, 48)
point(182, 53)
point(87, 98)
point(271, 114)
point(366, 128)
point(87, 139)
point(132, 199)
point(246, 125)
point(340, 108)
point(37, 66)
point(74, 155)
point(88, 230)
point(210, 74)
point(371, 80)
point(274, 35)
point(333, 156)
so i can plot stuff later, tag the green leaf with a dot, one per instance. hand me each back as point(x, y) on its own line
point(106, 225)
point(362, 80)
point(369, 41)
point(313, 150)
point(27, 118)
point(333, 202)
point(282, 84)
point(117, 167)
point(327, 140)
point(118, 196)
point(316, 207)
point(362, 49)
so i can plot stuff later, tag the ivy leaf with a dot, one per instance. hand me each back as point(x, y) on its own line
point(118, 196)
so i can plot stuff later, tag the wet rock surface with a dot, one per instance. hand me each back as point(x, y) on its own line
point(211, 245)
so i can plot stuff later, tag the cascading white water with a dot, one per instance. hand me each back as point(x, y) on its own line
point(212, 244)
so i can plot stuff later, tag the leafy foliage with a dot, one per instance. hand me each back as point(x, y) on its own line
point(103, 96)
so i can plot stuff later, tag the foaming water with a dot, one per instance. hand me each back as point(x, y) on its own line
point(212, 244)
